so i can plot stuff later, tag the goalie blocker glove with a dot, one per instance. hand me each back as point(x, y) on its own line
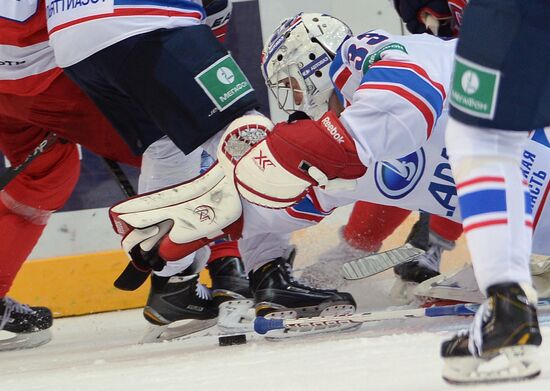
point(278, 171)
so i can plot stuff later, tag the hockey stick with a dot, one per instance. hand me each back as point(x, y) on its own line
point(120, 178)
point(417, 243)
point(377, 263)
point(12, 172)
point(263, 325)
point(133, 276)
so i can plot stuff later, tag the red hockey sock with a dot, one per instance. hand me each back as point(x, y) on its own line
point(18, 236)
point(224, 249)
point(445, 228)
point(370, 224)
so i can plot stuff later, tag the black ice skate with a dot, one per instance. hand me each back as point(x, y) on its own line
point(229, 280)
point(277, 293)
point(426, 265)
point(30, 325)
point(176, 298)
point(231, 292)
point(502, 341)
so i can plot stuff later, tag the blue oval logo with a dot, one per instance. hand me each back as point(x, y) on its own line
point(398, 177)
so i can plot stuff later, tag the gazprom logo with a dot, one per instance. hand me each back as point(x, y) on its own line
point(397, 178)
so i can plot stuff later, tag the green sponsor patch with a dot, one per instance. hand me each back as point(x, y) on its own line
point(224, 82)
point(475, 89)
point(377, 55)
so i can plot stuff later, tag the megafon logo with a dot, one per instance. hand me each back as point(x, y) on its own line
point(225, 75)
point(333, 130)
point(397, 178)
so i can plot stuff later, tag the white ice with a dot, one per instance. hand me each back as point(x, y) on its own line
point(101, 352)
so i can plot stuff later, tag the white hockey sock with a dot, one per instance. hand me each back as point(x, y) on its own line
point(494, 201)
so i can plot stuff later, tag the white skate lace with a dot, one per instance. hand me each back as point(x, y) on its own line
point(203, 292)
point(431, 258)
point(475, 338)
point(11, 306)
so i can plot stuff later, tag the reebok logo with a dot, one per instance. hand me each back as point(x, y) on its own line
point(333, 130)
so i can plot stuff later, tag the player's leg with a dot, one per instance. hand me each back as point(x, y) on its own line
point(368, 226)
point(26, 203)
point(66, 110)
point(441, 236)
point(175, 288)
point(485, 150)
point(268, 259)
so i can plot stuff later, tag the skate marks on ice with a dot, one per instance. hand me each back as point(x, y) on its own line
point(12, 341)
point(100, 352)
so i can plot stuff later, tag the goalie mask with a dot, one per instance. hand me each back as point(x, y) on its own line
point(296, 61)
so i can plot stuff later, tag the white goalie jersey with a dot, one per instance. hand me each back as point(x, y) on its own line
point(394, 89)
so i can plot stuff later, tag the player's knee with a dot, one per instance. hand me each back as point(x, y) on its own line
point(47, 183)
point(471, 148)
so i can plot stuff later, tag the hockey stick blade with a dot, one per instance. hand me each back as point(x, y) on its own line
point(263, 325)
point(131, 278)
point(377, 263)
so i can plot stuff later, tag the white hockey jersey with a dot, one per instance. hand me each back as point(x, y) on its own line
point(395, 91)
point(80, 28)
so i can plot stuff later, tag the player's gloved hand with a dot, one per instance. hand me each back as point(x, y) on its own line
point(218, 13)
point(279, 170)
point(183, 218)
point(426, 16)
point(144, 257)
point(457, 9)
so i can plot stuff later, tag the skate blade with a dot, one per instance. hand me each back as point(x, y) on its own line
point(176, 330)
point(335, 310)
point(435, 288)
point(539, 264)
point(236, 317)
point(274, 310)
point(24, 340)
point(511, 364)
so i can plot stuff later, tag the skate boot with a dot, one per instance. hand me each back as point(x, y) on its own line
point(502, 341)
point(277, 293)
point(30, 325)
point(425, 266)
point(229, 280)
point(231, 292)
point(177, 298)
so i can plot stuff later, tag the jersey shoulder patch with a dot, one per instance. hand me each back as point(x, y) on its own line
point(361, 51)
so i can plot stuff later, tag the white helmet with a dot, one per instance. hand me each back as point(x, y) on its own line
point(296, 61)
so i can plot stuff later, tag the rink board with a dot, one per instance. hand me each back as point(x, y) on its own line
point(78, 284)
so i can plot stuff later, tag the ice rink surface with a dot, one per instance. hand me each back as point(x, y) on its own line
point(101, 352)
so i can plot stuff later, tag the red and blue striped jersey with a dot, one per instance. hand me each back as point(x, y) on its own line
point(27, 64)
point(80, 28)
point(395, 83)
